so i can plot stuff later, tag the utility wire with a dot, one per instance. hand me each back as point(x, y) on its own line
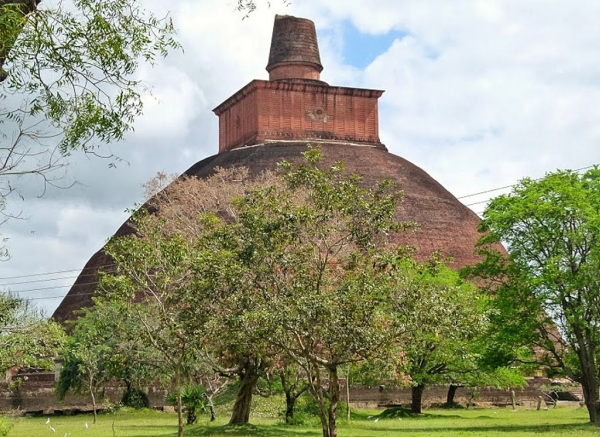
point(514, 185)
point(42, 280)
point(57, 272)
point(60, 297)
point(48, 288)
point(51, 273)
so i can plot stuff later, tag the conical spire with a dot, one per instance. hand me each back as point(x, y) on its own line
point(294, 50)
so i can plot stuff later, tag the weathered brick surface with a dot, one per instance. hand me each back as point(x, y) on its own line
point(298, 110)
point(445, 224)
point(37, 395)
point(294, 49)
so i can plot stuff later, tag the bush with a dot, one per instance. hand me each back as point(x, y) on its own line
point(135, 398)
point(193, 398)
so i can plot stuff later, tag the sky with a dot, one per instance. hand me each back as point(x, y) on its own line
point(478, 93)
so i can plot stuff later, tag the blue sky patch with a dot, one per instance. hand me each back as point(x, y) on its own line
point(360, 49)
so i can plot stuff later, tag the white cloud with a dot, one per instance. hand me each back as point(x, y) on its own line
point(176, 99)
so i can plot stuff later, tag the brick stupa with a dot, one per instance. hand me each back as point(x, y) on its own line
point(268, 121)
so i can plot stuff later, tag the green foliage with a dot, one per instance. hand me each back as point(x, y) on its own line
point(69, 81)
point(85, 357)
point(548, 290)
point(103, 346)
point(135, 398)
point(307, 255)
point(443, 318)
point(193, 398)
point(76, 65)
point(27, 338)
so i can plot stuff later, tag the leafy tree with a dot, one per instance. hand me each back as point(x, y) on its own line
point(103, 346)
point(84, 368)
point(239, 272)
point(27, 338)
point(165, 276)
point(442, 317)
point(150, 285)
point(311, 275)
point(551, 228)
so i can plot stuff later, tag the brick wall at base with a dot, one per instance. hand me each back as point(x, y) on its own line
point(37, 395)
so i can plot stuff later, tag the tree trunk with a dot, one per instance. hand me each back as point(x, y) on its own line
point(334, 400)
point(451, 393)
point(94, 409)
point(589, 384)
point(291, 396)
point(417, 398)
point(91, 389)
point(177, 381)
point(191, 417)
point(316, 387)
point(290, 404)
point(241, 407)
point(589, 377)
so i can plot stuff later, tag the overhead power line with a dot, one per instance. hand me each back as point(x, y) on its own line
point(514, 185)
point(42, 280)
point(55, 273)
point(48, 288)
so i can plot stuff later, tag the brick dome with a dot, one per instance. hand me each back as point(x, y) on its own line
point(269, 121)
point(444, 222)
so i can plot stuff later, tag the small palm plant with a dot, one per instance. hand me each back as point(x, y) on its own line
point(194, 399)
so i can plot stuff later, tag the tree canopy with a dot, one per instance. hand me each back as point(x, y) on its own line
point(550, 283)
point(69, 79)
point(27, 338)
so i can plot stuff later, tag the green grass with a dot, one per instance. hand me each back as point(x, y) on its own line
point(500, 422)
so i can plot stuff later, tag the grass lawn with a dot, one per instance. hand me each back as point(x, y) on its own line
point(500, 422)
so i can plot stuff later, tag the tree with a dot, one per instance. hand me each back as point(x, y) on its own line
point(243, 271)
point(150, 284)
point(84, 368)
point(442, 316)
point(103, 346)
point(27, 338)
point(312, 271)
point(172, 280)
point(551, 228)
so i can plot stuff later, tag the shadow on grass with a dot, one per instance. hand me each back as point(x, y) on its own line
point(283, 430)
point(248, 430)
point(511, 429)
point(404, 413)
